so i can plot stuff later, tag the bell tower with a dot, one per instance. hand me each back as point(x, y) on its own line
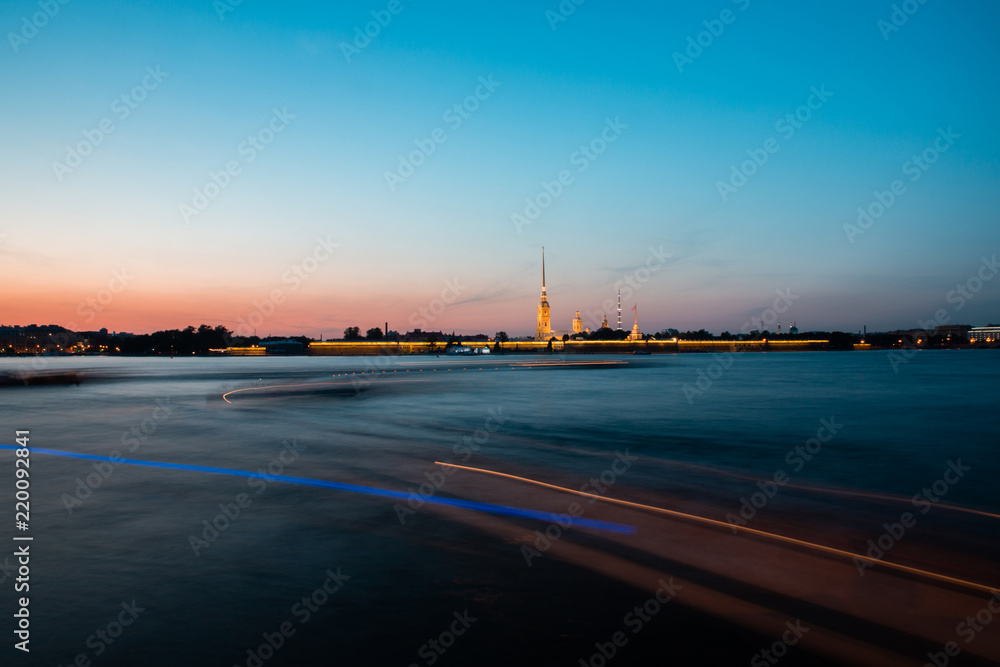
point(543, 328)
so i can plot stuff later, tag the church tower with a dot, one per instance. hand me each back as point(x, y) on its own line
point(543, 328)
point(635, 335)
point(577, 323)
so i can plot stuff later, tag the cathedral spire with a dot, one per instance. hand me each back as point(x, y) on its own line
point(543, 267)
point(543, 327)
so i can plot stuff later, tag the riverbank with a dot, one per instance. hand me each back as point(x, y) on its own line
point(349, 348)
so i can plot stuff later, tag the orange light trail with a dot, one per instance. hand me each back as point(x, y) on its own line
point(831, 490)
point(729, 526)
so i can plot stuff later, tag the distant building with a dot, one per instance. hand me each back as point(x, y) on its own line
point(543, 327)
point(635, 334)
point(954, 331)
point(254, 351)
point(988, 334)
point(35, 339)
point(543, 323)
point(287, 346)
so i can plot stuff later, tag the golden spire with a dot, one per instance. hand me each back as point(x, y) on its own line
point(544, 299)
point(543, 327)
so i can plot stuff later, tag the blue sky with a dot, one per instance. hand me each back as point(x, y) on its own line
point(345, 120)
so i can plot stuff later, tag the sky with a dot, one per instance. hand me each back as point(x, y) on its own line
point(269, 166)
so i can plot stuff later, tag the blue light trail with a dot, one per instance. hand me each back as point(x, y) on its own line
point(604, 526)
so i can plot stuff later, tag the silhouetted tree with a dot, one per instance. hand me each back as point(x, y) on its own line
point(701, 334)
point(374, 333)
point(352, 333)
point(605, 333)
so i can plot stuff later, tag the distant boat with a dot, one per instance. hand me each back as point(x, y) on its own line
point(467, 350)
point(640, 351)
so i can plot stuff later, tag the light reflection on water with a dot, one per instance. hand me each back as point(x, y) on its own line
point(129, 537)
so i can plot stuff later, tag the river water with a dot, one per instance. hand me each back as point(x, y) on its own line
point(151, 565)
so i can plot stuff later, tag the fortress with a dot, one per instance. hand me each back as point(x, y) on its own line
point(544, 343)
point(543, 325)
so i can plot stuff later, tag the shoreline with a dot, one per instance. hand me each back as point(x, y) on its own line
point(526, 349)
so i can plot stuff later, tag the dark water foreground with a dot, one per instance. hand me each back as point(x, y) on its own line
point(863, 466)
